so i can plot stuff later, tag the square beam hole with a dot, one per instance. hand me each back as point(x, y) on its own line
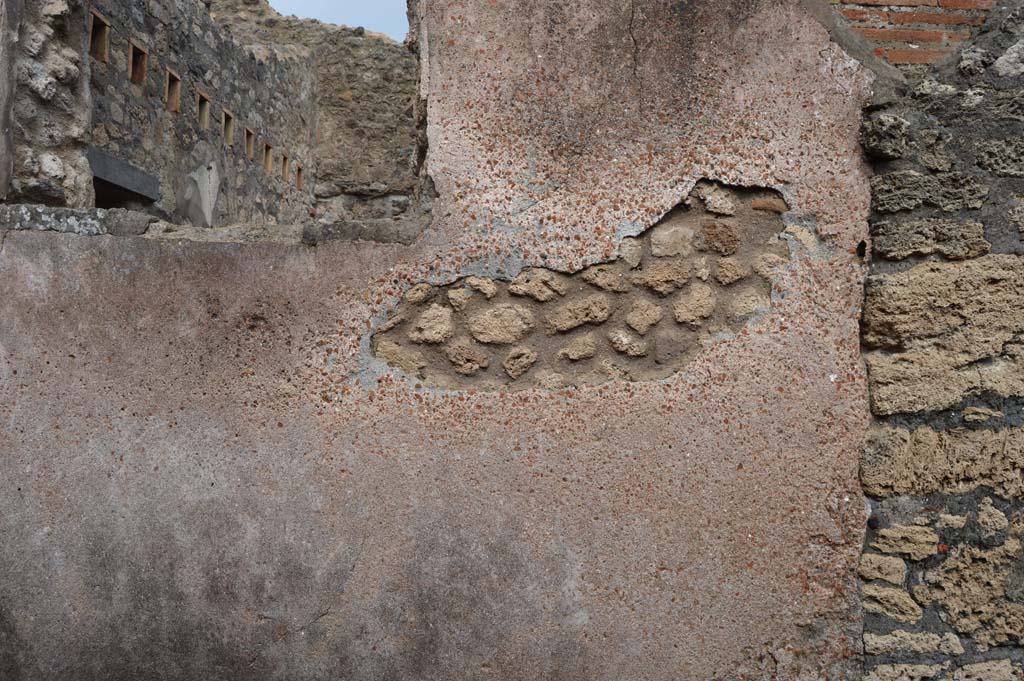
point(99, 38)
point(172, 98)
point(227, 128)
point(203, 111)
point(268, 158)
point(138, 62)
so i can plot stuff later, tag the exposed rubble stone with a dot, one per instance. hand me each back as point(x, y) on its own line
point(696, 306)
point(467, 358)
point(718, 237)
point(890, 602)
point(502, 325)
point(885, 136)
point(541, 285)
point(607, 278)
point(487, 287)
point(729, 271)
point(1004, 158)
point(1011, 63)
point(459, 298)
point(581, 348)
point(991, 520)
point(717, 199)
point(610, 321)
point(672, 239)
point(409, 361)
point(433, 326)
point(420, 293)
point(908, 189)
point(664, 276)
point(595, 309)
point(644, 315)
point(627, 343)
point(632, 252)
point(519, 361)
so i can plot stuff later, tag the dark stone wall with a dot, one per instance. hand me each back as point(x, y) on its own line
point(265, 94)
point(943, 327)
point(10, 17)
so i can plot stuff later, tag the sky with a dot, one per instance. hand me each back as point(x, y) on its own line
point(382, 16)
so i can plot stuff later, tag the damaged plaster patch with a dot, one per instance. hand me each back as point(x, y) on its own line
point(698, 276)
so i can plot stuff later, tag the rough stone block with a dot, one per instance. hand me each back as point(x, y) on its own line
point(945, 331)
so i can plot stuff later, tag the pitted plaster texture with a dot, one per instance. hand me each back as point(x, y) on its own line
point(201, 453)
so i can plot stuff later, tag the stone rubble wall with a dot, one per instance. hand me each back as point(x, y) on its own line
point(51, 105)
point(10, 18)
point(943, 334)
point(267, 95)
point(369, 142)
point(693, 280)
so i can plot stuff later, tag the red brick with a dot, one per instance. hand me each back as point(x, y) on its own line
point(865, 14)
point(910, 35)
point(896, 3)
point(966, 4)
point(935, 18)
point(896, 56)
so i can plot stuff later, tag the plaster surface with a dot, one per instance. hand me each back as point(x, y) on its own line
point(205, 471)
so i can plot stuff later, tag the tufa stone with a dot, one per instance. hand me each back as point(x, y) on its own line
point(627, 343)
point(540, 284)
point(696, 305)
point(433, 326)
point(519, 361)
point(466, 358)
point(595, 309)
point(580, 348)
point(643, 315)
point(896, 604)
point(913, 541)
point(502, 324)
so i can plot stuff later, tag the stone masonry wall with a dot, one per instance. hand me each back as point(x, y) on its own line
point(695, 279)
point(369, 146)
point(943, 334)
point(10, 13)
point(268, 96)
point(51, 109)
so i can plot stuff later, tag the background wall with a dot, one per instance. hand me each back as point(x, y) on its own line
point(370, 142)
point(269, 96)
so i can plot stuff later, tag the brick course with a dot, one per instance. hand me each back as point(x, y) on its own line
point(906, 32)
